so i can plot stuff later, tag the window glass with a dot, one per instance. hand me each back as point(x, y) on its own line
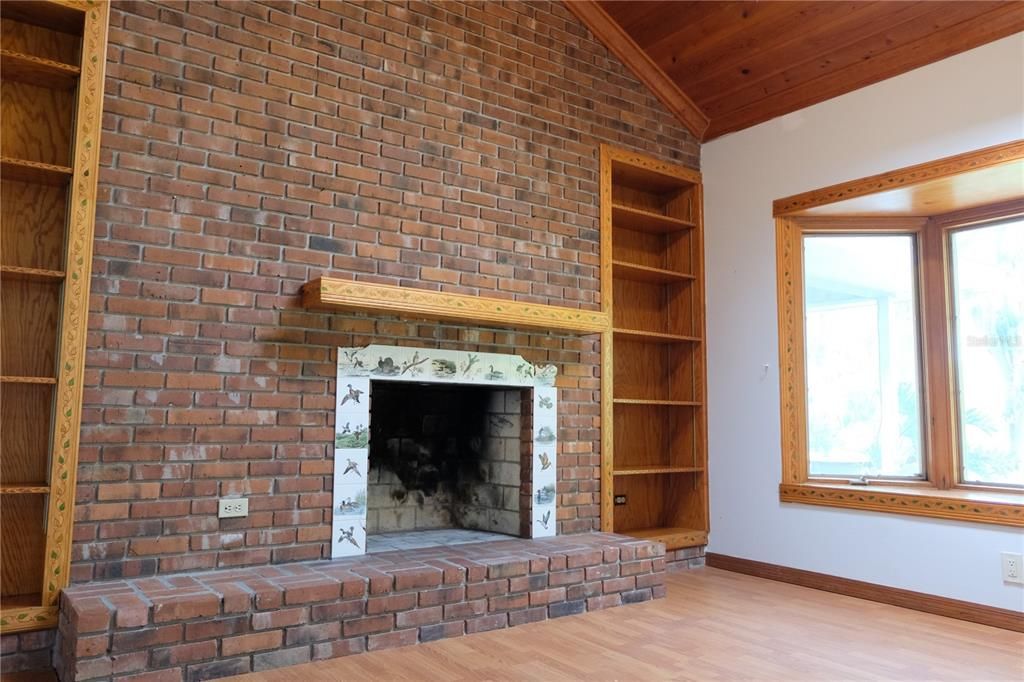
point(988, 303)
point(862, 355)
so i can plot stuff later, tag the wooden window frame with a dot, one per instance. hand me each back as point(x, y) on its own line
point(941, 494)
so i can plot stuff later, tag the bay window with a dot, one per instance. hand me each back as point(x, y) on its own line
point(901, 348)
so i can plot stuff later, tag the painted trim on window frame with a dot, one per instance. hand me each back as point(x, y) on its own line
point(942, 495)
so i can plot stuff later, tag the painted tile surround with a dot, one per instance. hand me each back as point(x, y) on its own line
point(359, 367)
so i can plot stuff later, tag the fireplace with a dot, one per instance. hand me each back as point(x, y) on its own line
point(432, 440)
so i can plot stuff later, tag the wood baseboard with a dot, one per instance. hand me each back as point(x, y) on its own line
point(917, 601)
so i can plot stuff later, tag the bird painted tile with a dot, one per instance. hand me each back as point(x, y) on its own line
point(350, 466)
point(353, 395)
point(348, 537)
point(544, 521)
point(352, 363)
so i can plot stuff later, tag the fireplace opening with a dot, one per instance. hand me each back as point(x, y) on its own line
point(444, 464)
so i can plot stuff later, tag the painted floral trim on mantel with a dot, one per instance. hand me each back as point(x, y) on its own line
point(359, 367)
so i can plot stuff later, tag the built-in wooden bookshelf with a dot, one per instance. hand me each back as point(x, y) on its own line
point(51, 86)
point(654, 436)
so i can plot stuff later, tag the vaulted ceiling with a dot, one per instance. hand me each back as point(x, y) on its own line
point(735, 64)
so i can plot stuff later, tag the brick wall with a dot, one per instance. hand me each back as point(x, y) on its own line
point(249, 147)
point(26, 651)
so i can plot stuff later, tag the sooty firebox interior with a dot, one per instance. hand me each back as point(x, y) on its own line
point(444, 456)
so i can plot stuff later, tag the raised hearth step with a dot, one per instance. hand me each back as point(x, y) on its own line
point(198, 626)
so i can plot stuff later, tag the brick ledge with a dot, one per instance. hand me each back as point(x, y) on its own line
point(218, 623)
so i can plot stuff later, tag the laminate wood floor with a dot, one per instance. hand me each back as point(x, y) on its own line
point(713, 625)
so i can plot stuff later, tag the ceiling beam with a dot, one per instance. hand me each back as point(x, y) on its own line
point(615, 38)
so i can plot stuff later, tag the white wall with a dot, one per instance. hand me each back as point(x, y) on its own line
point(972, 100)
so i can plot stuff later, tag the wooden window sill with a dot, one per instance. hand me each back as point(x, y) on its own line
point(1004, 509)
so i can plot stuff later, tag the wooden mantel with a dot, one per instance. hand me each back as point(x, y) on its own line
point(329, 293)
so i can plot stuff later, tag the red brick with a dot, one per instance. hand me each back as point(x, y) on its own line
point(604, 602)
point(312, 593)
point(650, 580)
point(619, 584)
point(635, 567)
point(532, 615)
point(174, 675)
point(91, 616)
point(466, 609)
point(419, 617)
point(362, 626)
point(341, 647)
point(392, 639)
point(566, 577)
point(184, 608)
point(555, 594)
point(418, 578)
point(146, 638)
point(92, 668)
point(487, 588)
point(650, 550)
point(341, 609)
point(94, 645)
point(602, 571)
point(257, 641)
point(588, 558)
point(281, 618)
point(445, 595)
point(183, 653)
point(208, 628)
point(395, 602)
point(129, 663)
point(484, 623)
point(308, 634)
point(583, 591)
point(518, 601)
point(224, 667)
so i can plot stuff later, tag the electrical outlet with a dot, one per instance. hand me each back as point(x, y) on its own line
point(620, 500)
point(1012, 568)
point(232, 508)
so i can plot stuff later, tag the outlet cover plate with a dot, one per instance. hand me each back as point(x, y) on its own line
point(232, 508)
point(1013, 572)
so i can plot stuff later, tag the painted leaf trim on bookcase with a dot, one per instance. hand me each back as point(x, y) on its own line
point(63, 471)
point(28, 618)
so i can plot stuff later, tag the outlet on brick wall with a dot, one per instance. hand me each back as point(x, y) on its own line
point(232, 508)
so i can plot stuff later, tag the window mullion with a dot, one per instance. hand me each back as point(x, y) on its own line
point(935, 348)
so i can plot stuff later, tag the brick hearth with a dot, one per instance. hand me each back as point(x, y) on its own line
point(214, 624)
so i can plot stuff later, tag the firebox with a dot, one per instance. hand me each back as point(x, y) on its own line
point(428, 440)
point(444, 456)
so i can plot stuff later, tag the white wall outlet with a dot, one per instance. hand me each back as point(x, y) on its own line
point(1012, 570)
point(232, 508)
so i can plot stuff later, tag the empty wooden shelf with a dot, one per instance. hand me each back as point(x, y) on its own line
point(654, 469)
point(654, 440)
point(33, 171)
point(646, 273)
point(26, 68)
point(630, 218)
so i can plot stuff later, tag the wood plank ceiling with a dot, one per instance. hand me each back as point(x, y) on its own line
point(742, 63)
